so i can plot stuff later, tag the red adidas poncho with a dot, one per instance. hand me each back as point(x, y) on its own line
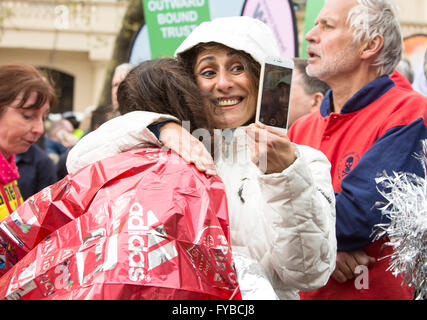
point(140, 225)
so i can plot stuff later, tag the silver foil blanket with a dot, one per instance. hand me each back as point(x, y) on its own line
point(405, 206)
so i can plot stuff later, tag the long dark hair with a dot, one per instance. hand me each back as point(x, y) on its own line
point(163, 86)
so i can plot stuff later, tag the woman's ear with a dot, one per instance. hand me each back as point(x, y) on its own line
point(372, 47)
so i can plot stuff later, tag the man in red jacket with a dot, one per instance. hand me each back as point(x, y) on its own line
point(367, 124)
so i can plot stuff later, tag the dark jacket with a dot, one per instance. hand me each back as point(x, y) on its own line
point(36, 171)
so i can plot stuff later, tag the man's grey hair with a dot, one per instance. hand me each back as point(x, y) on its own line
point(378, 17)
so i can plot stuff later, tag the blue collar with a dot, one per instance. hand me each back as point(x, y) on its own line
point(365, 96)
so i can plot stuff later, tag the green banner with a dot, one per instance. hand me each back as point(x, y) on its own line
point(312, 9)
point(169, 22)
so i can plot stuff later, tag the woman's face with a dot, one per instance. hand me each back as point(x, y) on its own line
point(222, 73)
point(21, 127)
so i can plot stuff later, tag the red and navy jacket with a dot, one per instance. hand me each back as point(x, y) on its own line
point(378, 130)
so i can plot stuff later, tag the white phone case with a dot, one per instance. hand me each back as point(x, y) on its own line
point(274, 86)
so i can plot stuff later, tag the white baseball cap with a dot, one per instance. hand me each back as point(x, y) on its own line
point(240, 33)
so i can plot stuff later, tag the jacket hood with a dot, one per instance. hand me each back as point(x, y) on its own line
point(240, 33)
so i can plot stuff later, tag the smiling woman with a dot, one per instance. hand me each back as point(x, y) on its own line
point(231, 78)
point(25, 100)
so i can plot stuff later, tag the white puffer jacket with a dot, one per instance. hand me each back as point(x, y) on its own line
point(283, 222)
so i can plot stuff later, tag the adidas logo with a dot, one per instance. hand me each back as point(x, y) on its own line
point(148, 243)
point(148, 247)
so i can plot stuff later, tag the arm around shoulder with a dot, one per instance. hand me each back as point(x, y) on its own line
point(118, 135)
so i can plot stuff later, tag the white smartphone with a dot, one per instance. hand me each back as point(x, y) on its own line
point(274, 92)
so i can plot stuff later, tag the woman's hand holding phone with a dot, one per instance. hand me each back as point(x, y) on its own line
point(271, 150)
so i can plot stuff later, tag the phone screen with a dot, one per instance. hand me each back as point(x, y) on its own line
point(276, 89)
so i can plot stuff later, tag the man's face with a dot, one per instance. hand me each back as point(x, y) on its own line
point(332, 52)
